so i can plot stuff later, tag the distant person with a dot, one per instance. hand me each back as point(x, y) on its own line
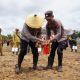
point(74, 37)
point(66, 43)
point(8, 42)
point(16, 41)
point(1, 43)
point(11, 41)
point(70, 43)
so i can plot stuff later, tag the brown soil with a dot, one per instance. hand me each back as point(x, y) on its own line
point(71, 67)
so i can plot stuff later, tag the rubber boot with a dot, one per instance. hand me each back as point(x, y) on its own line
point(59, 69)
point(35, 60)
point(50, 63)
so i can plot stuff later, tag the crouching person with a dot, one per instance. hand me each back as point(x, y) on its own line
point(29, 36)
point(58, 41)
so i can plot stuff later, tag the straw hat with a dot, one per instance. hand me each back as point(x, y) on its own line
point(34, 21)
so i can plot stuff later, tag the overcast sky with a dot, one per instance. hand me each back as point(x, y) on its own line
point(13, 12)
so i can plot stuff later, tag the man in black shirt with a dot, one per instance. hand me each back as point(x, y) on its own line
point(58, 40)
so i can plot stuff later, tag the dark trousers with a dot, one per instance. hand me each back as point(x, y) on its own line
point(23, 52)
point(59, 46)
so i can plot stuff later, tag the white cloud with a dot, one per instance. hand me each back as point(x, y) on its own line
point(13, 12)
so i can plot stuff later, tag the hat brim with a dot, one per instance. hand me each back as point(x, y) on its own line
point(34, 22)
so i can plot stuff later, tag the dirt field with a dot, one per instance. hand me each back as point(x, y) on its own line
point(71, 67)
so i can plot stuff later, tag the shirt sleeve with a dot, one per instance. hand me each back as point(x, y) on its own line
point(59, 31)
point(28, 35)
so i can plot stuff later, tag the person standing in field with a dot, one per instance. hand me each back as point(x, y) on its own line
point(16, 41)
point(1, 43)
point(74, 37)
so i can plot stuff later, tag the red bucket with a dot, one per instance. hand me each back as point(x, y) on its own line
point(46, 49)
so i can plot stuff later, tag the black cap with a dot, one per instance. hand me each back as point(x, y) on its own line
point(49, 14)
